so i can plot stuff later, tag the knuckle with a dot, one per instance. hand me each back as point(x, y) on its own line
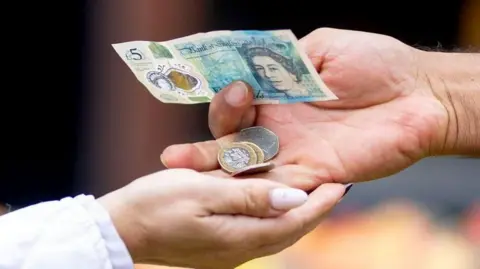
point(249, 202)
point(321, 33)
point(200, 148)
point(322, 30)
point(192, 150)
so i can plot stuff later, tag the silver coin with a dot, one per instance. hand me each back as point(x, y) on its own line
point(262, 137)
point(254, 169)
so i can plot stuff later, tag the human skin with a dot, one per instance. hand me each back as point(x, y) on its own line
point(397, 105)
point(183, 218)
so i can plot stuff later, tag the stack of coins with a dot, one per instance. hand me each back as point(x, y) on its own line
point(250, 152)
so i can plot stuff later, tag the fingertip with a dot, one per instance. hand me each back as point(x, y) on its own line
point(330, 192)
point(176, 156)
point(229, 107)
point(284, 199)
point(236, 94)
point(163, 161)
point(201, 156)
point(347, 189)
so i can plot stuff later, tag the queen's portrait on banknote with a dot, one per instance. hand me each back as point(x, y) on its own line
point(277, 70)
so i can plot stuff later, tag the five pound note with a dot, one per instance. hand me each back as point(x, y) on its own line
point(192, 69)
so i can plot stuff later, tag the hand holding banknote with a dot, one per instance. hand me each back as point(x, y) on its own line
point(386, 116)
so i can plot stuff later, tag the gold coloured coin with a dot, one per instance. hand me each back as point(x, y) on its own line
point(258, 151)
point(254, 169)
point(235, 156)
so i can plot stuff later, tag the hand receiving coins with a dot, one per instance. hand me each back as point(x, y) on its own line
point(250, 152)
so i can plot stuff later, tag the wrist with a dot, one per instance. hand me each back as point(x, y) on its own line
point(123, 220)
point(454, 79)
point(3, 209)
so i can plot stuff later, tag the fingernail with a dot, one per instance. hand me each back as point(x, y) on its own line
point(163, 161)
point(347, 189)
point(287, 198)
point(237, 94)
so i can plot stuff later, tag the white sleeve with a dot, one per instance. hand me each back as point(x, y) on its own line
point(73, 233)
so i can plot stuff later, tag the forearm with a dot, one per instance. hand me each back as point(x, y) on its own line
point(455, 80)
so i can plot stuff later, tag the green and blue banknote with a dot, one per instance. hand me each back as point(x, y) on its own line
point(193, 69)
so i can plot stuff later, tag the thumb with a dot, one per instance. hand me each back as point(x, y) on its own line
point(231, 109)
point(256, 198)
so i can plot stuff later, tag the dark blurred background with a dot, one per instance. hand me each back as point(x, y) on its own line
point(76, 120)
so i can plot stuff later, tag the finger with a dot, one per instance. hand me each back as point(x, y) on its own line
point(297, 176)
point(254, 198)
point(292, 175)
point(200, 156)
point(316, 44)
point(284, 230)
point(231, 109)
point(320, 202)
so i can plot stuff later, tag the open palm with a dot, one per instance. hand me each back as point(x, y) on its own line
point(386, 118)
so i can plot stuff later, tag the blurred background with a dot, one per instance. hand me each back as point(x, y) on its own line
point(77, 121)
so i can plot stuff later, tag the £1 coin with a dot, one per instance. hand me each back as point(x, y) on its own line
point(235, 156)
point(257, 149)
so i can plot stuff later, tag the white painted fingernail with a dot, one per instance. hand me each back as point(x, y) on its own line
point(287, 198)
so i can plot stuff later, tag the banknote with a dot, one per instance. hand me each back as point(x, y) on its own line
point(192, 69)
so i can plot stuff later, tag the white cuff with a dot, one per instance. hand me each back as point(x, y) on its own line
point(117, 252)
